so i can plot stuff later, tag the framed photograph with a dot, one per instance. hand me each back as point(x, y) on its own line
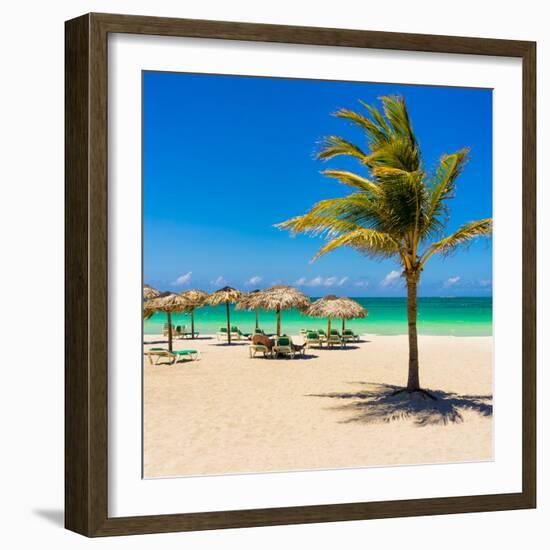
point(300, 275)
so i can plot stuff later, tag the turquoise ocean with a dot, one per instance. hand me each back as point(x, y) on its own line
point(436, 316)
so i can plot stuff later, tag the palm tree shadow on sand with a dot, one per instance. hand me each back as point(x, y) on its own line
point(380, 403)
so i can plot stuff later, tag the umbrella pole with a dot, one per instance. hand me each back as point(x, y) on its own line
point(257, 323)
point(228, 324)
point(169, 315)
point(343, 328)
point(328, 335)
point(193, 323)
point(278, 321)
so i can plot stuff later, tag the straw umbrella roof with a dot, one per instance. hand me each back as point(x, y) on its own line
point(247, 301)
point(194, 297)
point(224, 295)
point(170, 303)
point(279, 297)
point(336, 308)
point(150, 292)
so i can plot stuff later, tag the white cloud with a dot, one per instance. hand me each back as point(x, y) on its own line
point(254, 280)
point(390, 279)
point(362, 284)
point(183, 279)
point(451, 281)
point(322, 281)
point(219, 281)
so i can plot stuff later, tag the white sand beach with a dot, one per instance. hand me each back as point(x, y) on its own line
point(227, 413)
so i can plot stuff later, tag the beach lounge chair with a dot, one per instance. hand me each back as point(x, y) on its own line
point(283, 347)
point(236, 334)
point(334, 339)
point(165, 329)
point(178, 331)
point(322, 335)
point(188, 334)
point(156, 354)
point(253, 349)
point(349, 336)
point(259, 331)
point(312, 339)
point(222, 334)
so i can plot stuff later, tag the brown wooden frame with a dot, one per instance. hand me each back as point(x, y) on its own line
point(87, 286)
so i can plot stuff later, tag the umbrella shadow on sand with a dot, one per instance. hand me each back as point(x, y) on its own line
point(378, 403)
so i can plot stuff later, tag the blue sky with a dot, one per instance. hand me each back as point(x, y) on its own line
point(227, 157)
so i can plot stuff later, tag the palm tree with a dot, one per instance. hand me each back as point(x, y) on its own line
point(397, 209)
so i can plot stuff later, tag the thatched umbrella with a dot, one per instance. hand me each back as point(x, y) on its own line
point(149, 292)
point(194, 298)
point(278, 298)
point(226, 295)
point(336, 308)
point(247, 303)
point(170, 303)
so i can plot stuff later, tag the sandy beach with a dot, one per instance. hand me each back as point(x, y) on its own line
point(227, 413)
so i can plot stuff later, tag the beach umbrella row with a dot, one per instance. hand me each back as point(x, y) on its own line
point(276, 298)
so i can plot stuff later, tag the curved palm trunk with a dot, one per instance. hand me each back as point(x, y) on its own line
point(169, 315)
point(413, 383)
point(278, 321)
point(228, 323)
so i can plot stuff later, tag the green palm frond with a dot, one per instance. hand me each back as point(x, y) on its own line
point(397, 153)
point(441, 189)
point(375, 132)
point(461, 236)
point(377, 116)
point(396, 112)
point(333, 146)
point(355, 209)
point(403, 197)
point(317, 225)
point(353, 180)
point(367, 241)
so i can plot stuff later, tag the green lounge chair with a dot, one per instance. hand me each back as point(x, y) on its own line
point(283, 347)
point(253, 349)
point(188, 334)
point(334, 339)
point(222, 333)
point(349, 336)
point(165, 329)
point(156, 354)
point(236, 333)
point(178, 331)
point(312, 339)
